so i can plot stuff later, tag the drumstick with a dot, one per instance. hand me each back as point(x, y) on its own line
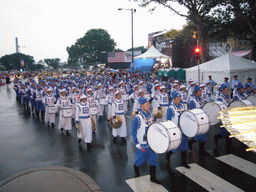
point(143, 150)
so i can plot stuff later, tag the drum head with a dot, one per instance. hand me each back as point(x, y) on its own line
point(158, 138)
point(252, 99)
point(188, 123)
point(242, 103)
point(213, 109)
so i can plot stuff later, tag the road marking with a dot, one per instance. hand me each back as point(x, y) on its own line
point(206, 179)
point(239, 163)
point(143, 183)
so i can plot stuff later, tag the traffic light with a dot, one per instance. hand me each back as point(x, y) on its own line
point(197, 53)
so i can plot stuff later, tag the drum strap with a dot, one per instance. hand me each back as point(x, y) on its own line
point(148, 122)
point(179, 110)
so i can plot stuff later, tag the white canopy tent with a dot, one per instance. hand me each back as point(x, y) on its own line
point(153, 53)
point(221, 67)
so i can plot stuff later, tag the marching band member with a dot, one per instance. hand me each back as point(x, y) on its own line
point(91, 100)
point(139, 128)
point(38, 96)
point(83, 121)
point(204, 94)
point(154, 96)
point(24, 96)
point(184, 95)
point(163, 101)
point(122, 90)
point(31, 91)
point(118, 109)
point(191, 90)
point(99, 93)
point(49, 99)
point(136, 105)
point(248, 89)
point(173, 114)
point(196, 103)
point(62, 102)
point(74, 98)
point(239, 93)
point(208, 91)
point(110, 98)
point(224, 98)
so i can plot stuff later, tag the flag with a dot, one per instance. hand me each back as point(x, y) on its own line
point(22, 63)
point(116, 57)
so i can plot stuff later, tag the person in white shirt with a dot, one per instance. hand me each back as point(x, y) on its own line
point(163, 101)
point(83, 121)
point(64, 103)
point(49, 101)
point(118, 109)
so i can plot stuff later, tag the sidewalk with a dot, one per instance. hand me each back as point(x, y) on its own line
point(49, 179)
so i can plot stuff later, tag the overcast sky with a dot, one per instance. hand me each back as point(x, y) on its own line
point(45, 28)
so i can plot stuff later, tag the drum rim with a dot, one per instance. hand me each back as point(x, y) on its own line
point(147, 137)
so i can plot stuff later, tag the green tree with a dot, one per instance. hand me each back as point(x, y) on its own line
point(53, 62)
point(236, 18)
point(13, 61)
point(142, 48)
point(87, 49)
point(197, 12)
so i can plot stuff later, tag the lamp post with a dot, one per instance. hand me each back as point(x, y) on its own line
point(132, 11)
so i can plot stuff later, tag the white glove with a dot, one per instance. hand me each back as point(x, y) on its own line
point(138, 146)
point(77, 126)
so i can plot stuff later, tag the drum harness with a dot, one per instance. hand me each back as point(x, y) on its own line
point(148, 122)
point(179, 111)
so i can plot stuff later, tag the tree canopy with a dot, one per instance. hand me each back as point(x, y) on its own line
point(17, 61)
point(87, 49)
point(214, 19)
point(53, 62)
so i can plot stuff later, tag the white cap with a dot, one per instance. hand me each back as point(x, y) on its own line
point(63, 90)
point(162, 87)
point(202, 85)
point(83, 96)
point(182, 86)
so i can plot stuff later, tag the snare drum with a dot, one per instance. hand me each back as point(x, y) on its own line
point(125, 97)
point(67, 112)
point(163, 137)
point(51, 109)
point(94, 110)
point(147, 96)
point(213, 109)
point(194, 122)
point(103, 101)
point(241, 103)
point(252, 99)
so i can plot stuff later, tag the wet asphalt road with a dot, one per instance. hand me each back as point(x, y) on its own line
point(27, 142)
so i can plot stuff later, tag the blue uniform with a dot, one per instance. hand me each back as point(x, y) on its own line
point(139, 128)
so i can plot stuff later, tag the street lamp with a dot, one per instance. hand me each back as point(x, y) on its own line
point(132, 11)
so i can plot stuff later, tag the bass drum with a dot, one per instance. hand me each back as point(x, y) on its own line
point(163, 137)
point(194, 122)
point(252, 99)
point(67, 112)
point(213, 109)
point(242, 103)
